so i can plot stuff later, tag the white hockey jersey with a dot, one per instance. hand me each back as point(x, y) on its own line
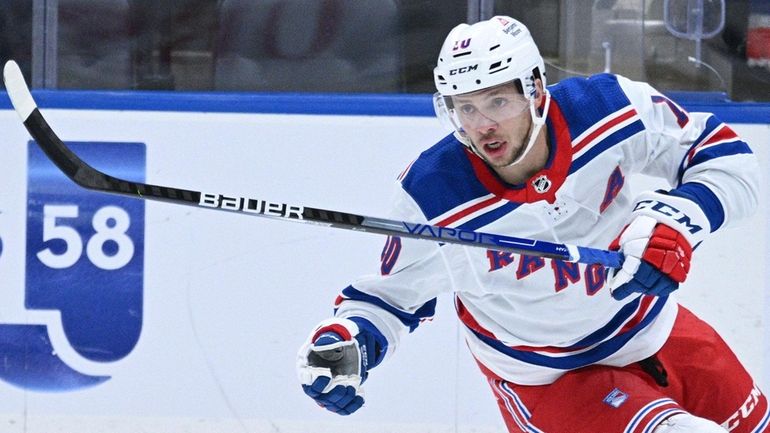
point(530, 319)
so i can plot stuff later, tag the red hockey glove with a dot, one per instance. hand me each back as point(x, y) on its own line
point(657, 245)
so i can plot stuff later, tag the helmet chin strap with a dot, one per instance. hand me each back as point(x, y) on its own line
point(537, 124)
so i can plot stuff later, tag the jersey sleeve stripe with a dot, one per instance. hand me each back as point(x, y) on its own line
point(721, 134)
point(625, 130)
point(718, 151)
point(612, 122)
point(491, 215)
point(465, 210)
point(705, 199)
point(410, 320)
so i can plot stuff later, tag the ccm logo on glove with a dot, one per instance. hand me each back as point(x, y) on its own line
point(669, 211)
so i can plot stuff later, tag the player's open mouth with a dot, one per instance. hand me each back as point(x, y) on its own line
point(494, 146)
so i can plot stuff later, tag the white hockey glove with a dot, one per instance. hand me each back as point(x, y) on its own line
point(657, 245)
point(334, 362)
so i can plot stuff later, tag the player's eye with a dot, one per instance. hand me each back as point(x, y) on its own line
point(467, 109)
point(499, 102)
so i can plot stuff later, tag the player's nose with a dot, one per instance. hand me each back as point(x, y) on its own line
point(485, 125)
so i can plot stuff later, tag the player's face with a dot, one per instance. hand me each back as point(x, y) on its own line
point(496, 120)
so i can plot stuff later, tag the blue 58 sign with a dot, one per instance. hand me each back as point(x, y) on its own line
point(110, 223)
point(85, 258)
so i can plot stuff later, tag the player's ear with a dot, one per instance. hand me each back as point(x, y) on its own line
point(539, 92)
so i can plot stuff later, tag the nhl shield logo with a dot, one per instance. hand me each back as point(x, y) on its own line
point(542, 184)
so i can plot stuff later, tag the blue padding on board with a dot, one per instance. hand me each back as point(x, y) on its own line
point(374, 104)
point(220, 102)
point(698, 97)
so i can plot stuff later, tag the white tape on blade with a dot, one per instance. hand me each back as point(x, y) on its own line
point(18, 90)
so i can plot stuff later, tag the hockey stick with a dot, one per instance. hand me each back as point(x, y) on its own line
point(90, 178)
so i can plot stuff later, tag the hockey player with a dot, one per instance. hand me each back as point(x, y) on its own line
point(566, 347)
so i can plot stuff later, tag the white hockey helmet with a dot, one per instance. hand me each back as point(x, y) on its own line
point(488, 53)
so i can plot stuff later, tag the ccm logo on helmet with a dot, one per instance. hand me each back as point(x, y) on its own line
point(463, 70)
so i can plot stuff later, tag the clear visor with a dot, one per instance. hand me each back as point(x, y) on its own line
point(495, 105)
